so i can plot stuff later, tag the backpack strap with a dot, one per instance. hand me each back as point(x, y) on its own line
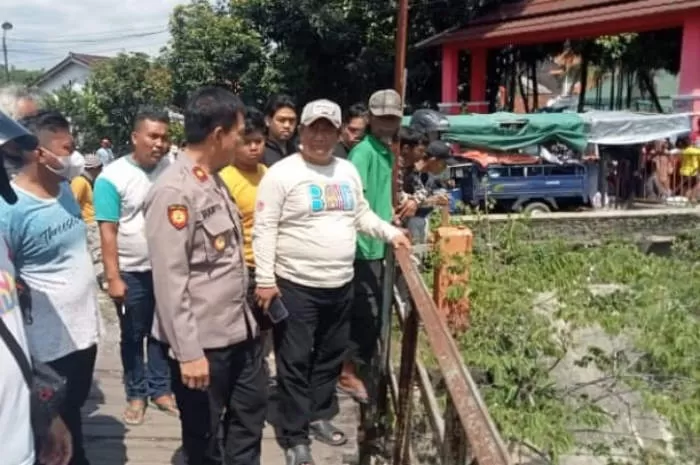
point(17, 352)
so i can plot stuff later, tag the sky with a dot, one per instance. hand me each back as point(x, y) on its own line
point(44, 31)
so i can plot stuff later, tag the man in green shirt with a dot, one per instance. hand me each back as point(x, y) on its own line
point(374, 161)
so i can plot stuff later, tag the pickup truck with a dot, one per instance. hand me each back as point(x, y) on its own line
point(540, 187)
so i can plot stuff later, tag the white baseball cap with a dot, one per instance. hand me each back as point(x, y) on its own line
point(318, 109)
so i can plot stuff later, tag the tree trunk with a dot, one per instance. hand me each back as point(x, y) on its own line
point(611, 104)
point(512, 76)
point(630, 83)
point(584, 80)
point(620, 88)
point(523, 93)
point(646, 81)
point(535, 90)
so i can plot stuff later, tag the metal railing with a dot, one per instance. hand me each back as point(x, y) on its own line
point(463, 432)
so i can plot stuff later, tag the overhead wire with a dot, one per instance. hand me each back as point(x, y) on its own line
point(55, 56)
point(88, 41)
point(102, 32)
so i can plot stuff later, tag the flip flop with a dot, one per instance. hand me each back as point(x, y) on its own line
point(168, 407)
point(358, 395)
point(325, 432)
point(134, 414)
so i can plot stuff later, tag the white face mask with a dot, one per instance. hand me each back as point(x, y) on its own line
point(71, 166)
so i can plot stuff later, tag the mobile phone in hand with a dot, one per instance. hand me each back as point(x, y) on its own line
point(277, 311)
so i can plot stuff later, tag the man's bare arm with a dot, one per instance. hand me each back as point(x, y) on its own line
point(110, 254)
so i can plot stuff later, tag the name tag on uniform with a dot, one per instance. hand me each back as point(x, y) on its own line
point(209, 211)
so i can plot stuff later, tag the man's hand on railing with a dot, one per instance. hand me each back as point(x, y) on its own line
point(401, 242)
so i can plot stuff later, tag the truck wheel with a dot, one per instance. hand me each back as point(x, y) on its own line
point(536, 207)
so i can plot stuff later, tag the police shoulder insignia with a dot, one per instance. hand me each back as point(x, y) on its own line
point(178, 216)
point(219, 242)
point(200, 174)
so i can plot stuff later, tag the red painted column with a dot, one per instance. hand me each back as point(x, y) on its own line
point(477, 83)
point(689, 75)
point(450, 79)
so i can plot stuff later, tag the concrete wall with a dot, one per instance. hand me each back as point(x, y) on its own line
point(595, 226)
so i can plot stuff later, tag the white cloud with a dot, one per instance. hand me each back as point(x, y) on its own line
point(44, 31)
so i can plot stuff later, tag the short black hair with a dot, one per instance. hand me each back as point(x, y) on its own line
point(356, 110)
point(209, 108)
point(683, 142)
point(46, 120)
point(150, 113)
point(254, 121)
point(277, 102)
point(411, 137)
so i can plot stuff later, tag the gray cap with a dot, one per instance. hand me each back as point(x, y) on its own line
point(318, 109)
point(442, 151)
point(386, 102)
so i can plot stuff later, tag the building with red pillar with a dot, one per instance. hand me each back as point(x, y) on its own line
point(542, 21)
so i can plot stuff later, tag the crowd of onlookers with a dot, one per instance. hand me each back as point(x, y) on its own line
point(237, 250)
point(659, 170)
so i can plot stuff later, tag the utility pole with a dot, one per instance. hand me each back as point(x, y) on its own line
point(399, 80)
point(401, 39)
point(6, 26)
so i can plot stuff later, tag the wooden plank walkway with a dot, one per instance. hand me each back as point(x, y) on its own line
point(157, 442)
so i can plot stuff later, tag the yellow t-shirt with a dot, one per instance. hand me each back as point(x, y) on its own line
point(82, 190)
point(690, 161)
point(243, 187)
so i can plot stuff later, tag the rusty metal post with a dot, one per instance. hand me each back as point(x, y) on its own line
point(454, 447)
point(454, 245)
point(409, 346)
point(401, 42)
point(382, 391)
point(374, 417)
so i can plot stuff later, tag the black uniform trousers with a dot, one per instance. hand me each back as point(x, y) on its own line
point(233, 407)
point(310, 346)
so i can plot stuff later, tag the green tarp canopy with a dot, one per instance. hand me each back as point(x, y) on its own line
point(509, 131)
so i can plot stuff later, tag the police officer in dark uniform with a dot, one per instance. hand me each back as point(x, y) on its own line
point(195, 243)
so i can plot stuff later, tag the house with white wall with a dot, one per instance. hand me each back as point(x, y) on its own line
point(72, 71)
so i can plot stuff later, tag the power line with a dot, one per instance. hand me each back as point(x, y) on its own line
point(90, 41)
point(102, 32)
point(56, 56)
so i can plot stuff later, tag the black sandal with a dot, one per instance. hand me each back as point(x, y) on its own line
point(299, 455)
point(325, 432)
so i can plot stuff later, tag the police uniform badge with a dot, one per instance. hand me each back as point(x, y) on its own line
point(178, 216)
point(219, 242)
point(200, 174)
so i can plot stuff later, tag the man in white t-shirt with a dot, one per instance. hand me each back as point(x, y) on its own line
point(119, 194)
point(15, 416)
point(48, 241)
point(309, 209)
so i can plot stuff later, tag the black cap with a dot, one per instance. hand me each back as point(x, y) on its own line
point(12, 133)
point(441, 150)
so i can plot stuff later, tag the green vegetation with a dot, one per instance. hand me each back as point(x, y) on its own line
point(529, 300)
